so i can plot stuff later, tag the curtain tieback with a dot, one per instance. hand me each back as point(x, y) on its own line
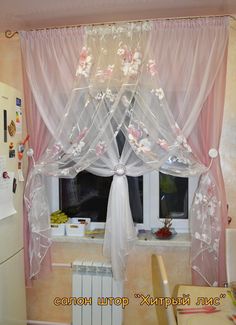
point(120, 170)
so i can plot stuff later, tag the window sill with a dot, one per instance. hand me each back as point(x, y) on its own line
point(146, 239)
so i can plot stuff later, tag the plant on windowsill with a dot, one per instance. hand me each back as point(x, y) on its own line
point(165, 232)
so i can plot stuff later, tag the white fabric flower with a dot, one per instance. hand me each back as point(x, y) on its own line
point(158, 92)
point(144, 145)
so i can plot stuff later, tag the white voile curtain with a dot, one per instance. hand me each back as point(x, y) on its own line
point(118, 87)
point(51, 69)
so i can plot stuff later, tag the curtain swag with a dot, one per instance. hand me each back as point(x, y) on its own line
point(153, 82)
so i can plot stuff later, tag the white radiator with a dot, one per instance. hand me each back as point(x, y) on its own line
point(100, 298)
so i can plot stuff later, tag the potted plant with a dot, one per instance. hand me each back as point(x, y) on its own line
point(165, 232)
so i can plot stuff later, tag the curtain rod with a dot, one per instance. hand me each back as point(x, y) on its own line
point(10, 34)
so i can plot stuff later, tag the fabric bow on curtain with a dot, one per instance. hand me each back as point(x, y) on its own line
point(119, 87)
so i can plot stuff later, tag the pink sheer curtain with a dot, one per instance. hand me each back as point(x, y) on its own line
point(39, 139)
point(54, 55)
point(206, 135)
point(191, 56)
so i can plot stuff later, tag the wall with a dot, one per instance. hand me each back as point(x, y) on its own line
point(139, 280)
point(10, 62)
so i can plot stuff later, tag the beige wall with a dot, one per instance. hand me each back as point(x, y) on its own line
point(139, 280)
point(10, 62)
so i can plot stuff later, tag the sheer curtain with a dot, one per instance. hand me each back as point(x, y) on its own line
point(126, 81)
point(195, 57)
point(39, 140)
point(52, 68)
point(206, 134)
point(51, 58)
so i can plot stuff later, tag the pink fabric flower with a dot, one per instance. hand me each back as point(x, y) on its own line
point(134, 134)
point(81, 134)
point(131, 60)
point(152, 68)
point(163, 144)
point(83, 55)
point(144, 145)
point(85, 63)
point(100, 148)
point(56, 148)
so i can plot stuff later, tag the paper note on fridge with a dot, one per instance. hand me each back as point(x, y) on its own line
point(6, 195)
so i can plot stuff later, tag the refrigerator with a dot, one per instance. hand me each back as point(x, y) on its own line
point(12, 282)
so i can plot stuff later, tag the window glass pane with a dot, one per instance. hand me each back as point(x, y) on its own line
point(86, 195)
point(173, 196)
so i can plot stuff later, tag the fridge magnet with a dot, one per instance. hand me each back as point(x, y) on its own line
point(6, 195)
point(5, 175)
point(12, 128)
point(18, 101)
point(5, 125)
point(21, 147)
point(12, 151)
point(20, 174)
point(18, 116)
point(14, 185)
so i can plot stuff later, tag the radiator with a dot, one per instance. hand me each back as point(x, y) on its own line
point(99, 296)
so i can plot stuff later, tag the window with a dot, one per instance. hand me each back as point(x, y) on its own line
point(173, 197)
point(146, 192)
point(152, 206)
point(86, 195)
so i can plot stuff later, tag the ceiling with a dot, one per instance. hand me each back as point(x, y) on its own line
point(31, 14)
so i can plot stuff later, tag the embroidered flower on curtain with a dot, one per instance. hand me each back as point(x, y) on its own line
point(163, 144)
point(101, 147)
point(105, 74)
point(158, 92)
point(152, 67)
point(131, 60)
point(180, 139)
point(82, 134)
point(76, 149)
point(57, 147)
point(85, 63)
point(206, 219)
point(135, 135)
point(76, 136)
point(108, 94)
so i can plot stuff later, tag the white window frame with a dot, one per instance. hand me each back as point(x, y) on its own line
point(150, 202)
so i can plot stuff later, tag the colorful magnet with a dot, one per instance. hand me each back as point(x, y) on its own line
point(21, 147)
point(5, 175)
point(12, 128)
point(18, 101)
point(5, 124)
point(12, 151)
point(14, 185)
